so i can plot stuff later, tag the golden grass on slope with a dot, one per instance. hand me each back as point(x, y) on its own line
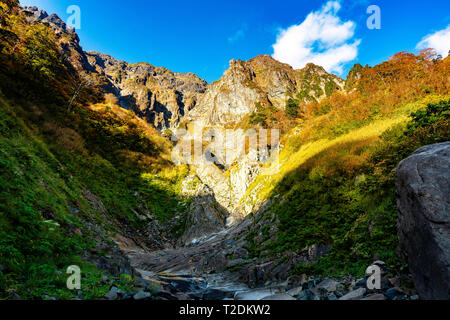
point(291, 160)
point(295, 155)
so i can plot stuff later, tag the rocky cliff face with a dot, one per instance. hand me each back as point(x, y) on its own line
point(244, 87)
point(165, 98)
point(423, 199)
point(66, 36)
point(260, 81)
point(160, 96)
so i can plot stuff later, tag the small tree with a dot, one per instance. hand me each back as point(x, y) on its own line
point(292, 109)
point(79, 84)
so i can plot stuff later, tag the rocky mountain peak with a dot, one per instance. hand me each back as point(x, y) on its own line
point(313, 68)
point(155, 93)
point(353, 76)
point(66, 37)
point(56, 23)
point(164, 98)
point(261, 80)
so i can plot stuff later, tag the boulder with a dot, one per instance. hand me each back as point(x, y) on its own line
point(328, 285)
point(112, 294)
point(423, 200)
point(205, 217)
point(257, 294)
point(279, 297)
point(295, 292)
point(377, 296)
point(142, 295)
point(354, 295)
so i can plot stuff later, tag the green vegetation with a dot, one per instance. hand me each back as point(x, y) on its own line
point(344, 197)
point(63, 171)
point(263, 114)
point(34, 212)
point(292, 109)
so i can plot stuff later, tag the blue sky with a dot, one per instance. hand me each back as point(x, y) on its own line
point(202, 36)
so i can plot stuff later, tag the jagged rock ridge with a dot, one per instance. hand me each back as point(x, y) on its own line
point(261, 81)
point(156, 94)
point(160, 96)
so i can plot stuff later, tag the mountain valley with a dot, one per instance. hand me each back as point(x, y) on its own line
point(92, 174)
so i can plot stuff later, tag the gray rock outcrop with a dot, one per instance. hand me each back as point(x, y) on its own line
point(423, 199)
point(261, 82)
point(156, 94)
point(205, 217)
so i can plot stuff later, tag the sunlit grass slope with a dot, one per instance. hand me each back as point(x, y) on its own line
point(340, 192)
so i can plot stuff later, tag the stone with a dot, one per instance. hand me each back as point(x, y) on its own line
point(308, 295)
point(362, 283)
point(216, 294)
point(377, 296)
point(328, 285)
point(296, 280)
point(205, 217)
point(295, 292)
point(14, 296)
point(142, 295)
point(240, 253)
point(111, 295)
point(279, 297)
point(394, 294)
point(164, 295)
point(263, 269)
point(235, 263)
point(423, 200)
point(128, 295)
point(114, 293)
point(332, 296)
point(354, 295)
point(256, 294)
point(385, 284)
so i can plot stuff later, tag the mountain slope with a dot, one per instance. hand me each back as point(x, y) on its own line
point(74, 179)
point(158, 95)
point(258, 84)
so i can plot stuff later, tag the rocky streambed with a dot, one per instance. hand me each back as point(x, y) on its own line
point(195, 273)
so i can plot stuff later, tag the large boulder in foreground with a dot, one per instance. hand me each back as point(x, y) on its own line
point(423, 200)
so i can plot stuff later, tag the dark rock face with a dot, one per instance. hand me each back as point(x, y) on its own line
point(423, 199)
point(206, 216)
point(156, 94)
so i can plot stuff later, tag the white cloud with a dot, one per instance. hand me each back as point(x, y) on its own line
point(322, 38)
point(440, 41)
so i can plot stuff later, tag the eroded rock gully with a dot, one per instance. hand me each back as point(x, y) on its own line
point(214, 268)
